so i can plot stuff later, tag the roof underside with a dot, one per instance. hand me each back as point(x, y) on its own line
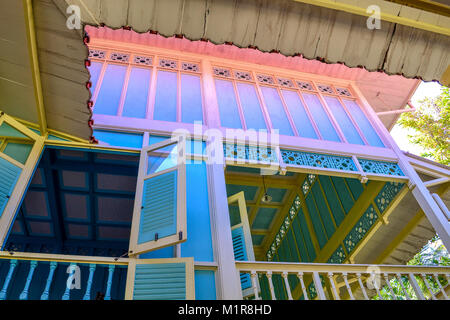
point(284, 26)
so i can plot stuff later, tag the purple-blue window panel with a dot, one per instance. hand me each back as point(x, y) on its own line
point(135, 104)
point(111, 90)
point(342, 118)
point(320, 117)
point(298, 113)
point(276, 111)
point(191, 99)
point(166, 96)
point(228, 108)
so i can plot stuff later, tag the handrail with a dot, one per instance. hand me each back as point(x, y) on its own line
point(280, 267)
point(345, 281)
point(62, 258)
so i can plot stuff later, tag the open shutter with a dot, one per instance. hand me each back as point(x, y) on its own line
point(242, 240)
point(160, 279)
point(20, 150)
point(159, 217)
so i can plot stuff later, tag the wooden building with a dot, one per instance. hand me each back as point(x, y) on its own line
point(199, 149)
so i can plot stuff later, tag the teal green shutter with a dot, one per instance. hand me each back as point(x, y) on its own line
point(9, 173)
point(159, 207)
point(165, 281)
point(240, 254)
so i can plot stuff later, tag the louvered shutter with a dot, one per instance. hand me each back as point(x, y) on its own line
point(21, 149)
point(159, 218)
point(242, 240)
point(240, 254)
point(9, 174)
point(160, 279)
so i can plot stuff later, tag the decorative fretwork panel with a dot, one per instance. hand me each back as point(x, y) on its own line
point(262, 78)
point(221, 72)
point(318, 160)
point(305, 85)
point(167, 63)
point(343, 92)
point(338, 256)
point(143, 60)
point(381, 167)
point(189, 66)
point(387, 195)
point(117, 56)
point(243, 75)
point(285, 82)
point(99, 54)
point(360, 229)
point(246, 152)
point(292, 213)
point(325, 88)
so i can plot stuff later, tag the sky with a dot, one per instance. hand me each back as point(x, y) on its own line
point(400, 135)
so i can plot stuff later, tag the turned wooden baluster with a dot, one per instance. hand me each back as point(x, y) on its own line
point(333, 286)
point(24, 294)
point(53, 266)
point(302, 284)
point(344, 275)
point(109, 283)
point(272, 291)
point(66, 295)
point(388, 282)
point(399, 277)
point(376, 285)
point(253, 276)
point(12, 266)
point(363, 289)
point(286, 283)
point(318, 285)
point(424, 277)
point(440, 286)
point(87, 295)
point(415, 285)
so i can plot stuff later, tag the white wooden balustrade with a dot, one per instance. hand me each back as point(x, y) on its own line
point(49, 263)
point(346, 281)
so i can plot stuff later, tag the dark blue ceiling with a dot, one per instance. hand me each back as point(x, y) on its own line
point(78, 202)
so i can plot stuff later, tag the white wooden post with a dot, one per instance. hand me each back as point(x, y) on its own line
point(221, 231)
point(429, 206)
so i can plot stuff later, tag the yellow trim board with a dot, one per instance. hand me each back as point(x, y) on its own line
point(361, 11)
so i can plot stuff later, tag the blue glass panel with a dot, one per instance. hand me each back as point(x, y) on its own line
point(347, 127)
point(320, 117)
point(251, 108)
point(166, 96)
point(191, 99)
point(276, 111)
point(228, 108)
point(94, 70)
point(363, 123)
point(119, 139)
point(137, 93)
point(111, 89)
point(298, 113)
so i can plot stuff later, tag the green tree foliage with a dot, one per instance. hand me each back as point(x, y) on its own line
point(431, 122)
point(432, 254)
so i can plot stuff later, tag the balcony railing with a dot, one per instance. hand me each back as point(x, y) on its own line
point(274, 280)
point(37, 276)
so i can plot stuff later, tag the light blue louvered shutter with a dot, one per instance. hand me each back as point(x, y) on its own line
point(9, 173)
point(159, 207)
point(159, 217)
point(161, 279)
point(240, 254)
